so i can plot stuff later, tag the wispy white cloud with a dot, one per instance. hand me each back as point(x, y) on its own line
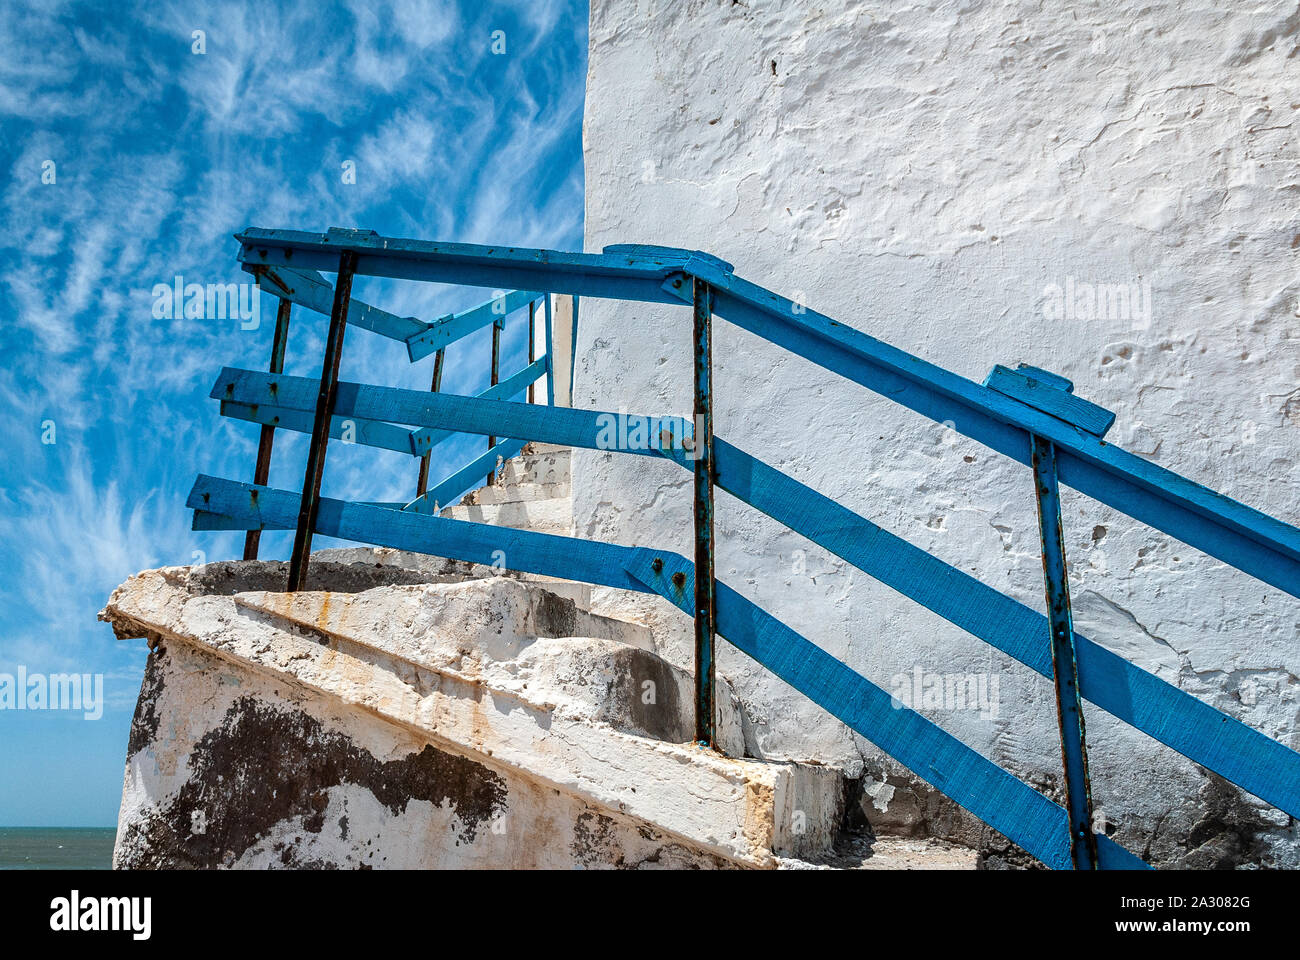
point(160, 154)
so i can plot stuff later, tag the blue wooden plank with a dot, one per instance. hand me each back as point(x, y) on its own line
point(466, 478)
point(995, 796)
point(561, 425)
point(425, 438)
point(311, 290)
point(454, 326)
point(369, 433)
point(1045, 376)
point(1051, 394)
point(614, 276)
point(591, 562)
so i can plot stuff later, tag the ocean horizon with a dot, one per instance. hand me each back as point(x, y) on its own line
point(57, 848)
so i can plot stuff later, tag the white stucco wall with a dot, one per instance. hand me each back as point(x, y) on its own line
point(925, 172)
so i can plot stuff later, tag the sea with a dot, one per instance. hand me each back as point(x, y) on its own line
point(56, 848)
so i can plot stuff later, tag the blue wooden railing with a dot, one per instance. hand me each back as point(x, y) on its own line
point(1029, 415)
point(307, 288)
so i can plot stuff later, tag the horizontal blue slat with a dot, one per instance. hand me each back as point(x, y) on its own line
point(309, 289)
point(206, 520)
point(1052, 394)
point(369, 433)
point(995, 796)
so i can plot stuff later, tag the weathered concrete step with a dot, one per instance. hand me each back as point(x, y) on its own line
point(431, 725)
point(354, 569)
point(544, 516)
point(517, 493)
point(551, 466)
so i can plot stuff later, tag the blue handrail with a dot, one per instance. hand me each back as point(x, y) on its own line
point(1030, 415)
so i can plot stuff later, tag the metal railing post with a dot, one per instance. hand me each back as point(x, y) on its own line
point(532, 345)
point(550, 352)
point(1069, 704)
point(422, 483)
point(497, 326)
point(262, 471)
point(702, 450)
point(320, 434)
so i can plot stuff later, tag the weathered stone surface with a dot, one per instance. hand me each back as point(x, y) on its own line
point(488, 722)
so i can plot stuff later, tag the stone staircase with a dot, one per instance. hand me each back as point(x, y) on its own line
point(533, 491)
point(413, 711)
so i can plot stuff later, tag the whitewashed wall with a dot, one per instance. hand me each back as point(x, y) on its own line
point(931, 174)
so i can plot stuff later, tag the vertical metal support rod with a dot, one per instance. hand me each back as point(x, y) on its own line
point(320, 433)
point(702, 450)
point(532, 345)
point(573, 347)
point(422, 484)
point(550, 356)
point(497, 326)
point(1069, 705)
point(253, 539)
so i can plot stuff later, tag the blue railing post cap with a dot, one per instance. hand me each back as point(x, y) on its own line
point(1046, 377)
point(1050, 393)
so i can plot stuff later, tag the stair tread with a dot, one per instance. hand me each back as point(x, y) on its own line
point(526, 492)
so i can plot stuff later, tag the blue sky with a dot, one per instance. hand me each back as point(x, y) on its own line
point(159, 154)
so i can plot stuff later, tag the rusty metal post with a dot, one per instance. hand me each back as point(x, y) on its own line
point(532, 346)
point(261, 472)
point(1069, 704)
point(702, 451)
point(497, 326)
point(320, 434)
point(422, 484)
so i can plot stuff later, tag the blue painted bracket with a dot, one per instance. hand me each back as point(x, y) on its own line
point(685, 256)
point(1051, 394)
